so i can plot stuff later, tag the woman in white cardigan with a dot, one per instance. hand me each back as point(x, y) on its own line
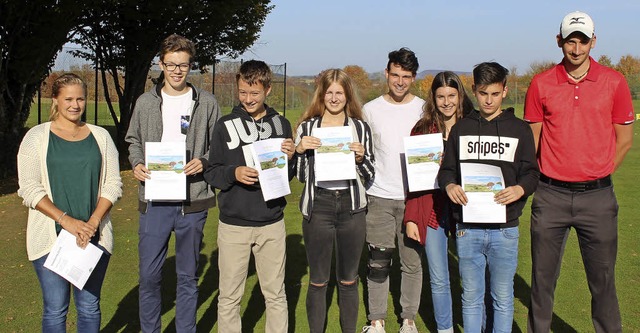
point(69, 177)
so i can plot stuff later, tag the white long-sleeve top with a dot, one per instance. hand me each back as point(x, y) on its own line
point(33, 181)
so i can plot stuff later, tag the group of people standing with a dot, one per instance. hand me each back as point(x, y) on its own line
point(69, 178)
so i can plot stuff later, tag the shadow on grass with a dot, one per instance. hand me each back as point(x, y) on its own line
point(522, 292)
point(296, 269)
point(255, 309)
point(208, 286)
point(126, 317)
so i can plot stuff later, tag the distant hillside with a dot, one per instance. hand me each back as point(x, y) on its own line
point(433, 72)
point(380, 75)
point(420, 75)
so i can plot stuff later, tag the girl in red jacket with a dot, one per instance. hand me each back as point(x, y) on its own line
point(427, 213)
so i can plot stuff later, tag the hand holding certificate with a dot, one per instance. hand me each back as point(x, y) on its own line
point(480, 183)
point(72, 262)
point(272, 166)
point(333, 159)
point(423, 154)
point(165, 161)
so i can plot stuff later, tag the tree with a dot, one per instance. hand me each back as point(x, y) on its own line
point(535, 68)
point(629, 66)
point(31, 34)
point(124, 35)
point(605, 61)
point(361, 79)
point(424, 86)
point(516, 90)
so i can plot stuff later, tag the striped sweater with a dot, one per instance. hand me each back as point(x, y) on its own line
point(305, 165)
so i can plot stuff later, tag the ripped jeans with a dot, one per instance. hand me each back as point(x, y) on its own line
point(332, 222)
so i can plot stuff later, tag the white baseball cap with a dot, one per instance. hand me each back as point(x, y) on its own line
point(577, 21)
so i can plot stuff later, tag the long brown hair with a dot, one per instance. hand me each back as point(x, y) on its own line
point(431, 117)
point(353, 108)
point(67, 79)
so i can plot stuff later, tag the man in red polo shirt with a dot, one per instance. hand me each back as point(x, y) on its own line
point(581, 115)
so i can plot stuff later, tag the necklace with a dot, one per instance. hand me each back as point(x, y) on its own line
point(577, 78)
point(73, 135)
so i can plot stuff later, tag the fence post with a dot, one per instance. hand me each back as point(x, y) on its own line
point(95, 102)
point(40, 104)
point(213, 79)
point(284, 107)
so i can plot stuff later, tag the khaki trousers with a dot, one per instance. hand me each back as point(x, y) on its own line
point(235, 245)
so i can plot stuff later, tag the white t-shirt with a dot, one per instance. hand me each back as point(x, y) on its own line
point(176, 116)
point(389, 124)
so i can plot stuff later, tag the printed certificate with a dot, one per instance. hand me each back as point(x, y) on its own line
point(422, 156)
point(165, 161)
point(333, 159)
point(72, 262)
point(481, 182)
point(273, 168)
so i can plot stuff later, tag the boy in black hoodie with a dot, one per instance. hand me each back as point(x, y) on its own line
point(247, 223)
point(496, 137)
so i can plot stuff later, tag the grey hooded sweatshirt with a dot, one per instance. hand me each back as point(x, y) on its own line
point(146, 126)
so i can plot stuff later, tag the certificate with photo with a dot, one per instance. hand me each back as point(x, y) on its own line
point(480, 183)
point(422, 155)
point(165, 161)
point(273, 168)
point(333, 159)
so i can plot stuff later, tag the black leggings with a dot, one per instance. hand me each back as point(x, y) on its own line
point(331, 220)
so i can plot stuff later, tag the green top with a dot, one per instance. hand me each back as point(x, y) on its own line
point(74, 175)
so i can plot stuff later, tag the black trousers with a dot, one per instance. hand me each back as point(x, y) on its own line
point(333, 225)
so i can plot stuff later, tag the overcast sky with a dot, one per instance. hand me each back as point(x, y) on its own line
point(314, 35)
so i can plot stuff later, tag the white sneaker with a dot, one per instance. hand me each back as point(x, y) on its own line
point(408, 327)
point(375, 327)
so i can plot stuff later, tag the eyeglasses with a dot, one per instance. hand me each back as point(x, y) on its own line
point(172, 67)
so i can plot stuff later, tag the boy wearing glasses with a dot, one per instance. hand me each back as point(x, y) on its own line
point(173, 111)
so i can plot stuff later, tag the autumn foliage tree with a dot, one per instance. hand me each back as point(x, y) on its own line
point(629, 66)
point(424, 85)
point(605, 60)
point(361, 79)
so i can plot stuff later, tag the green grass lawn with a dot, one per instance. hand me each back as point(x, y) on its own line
point(21, 304)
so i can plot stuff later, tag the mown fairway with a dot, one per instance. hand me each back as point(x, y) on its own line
point(21, 304)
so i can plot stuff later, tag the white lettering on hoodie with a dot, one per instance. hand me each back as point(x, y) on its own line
point(483, 147)
point(253, 131)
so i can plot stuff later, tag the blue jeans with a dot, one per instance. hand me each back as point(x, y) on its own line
point(155, 230)
point(497, 250)
point(436, 248)
point(56, 296)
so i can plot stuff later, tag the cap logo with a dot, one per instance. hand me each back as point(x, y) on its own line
point(576, 20)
